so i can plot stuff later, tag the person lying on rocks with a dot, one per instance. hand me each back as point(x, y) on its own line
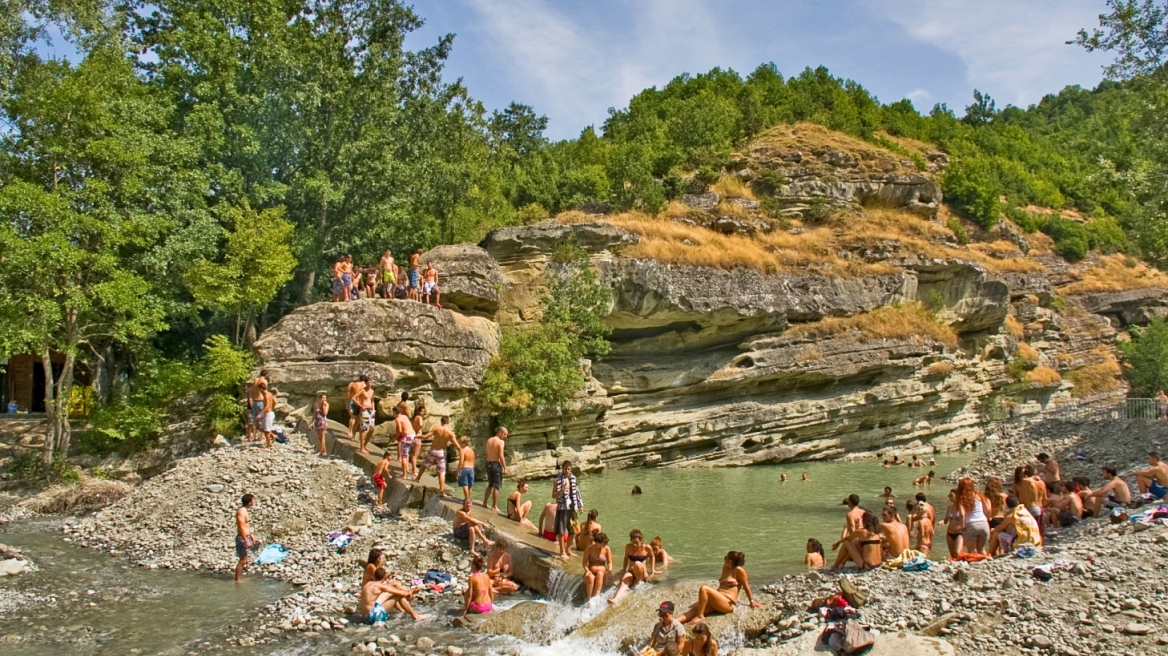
point(381, 477)
point(864, 547)
point(894, 534)
point(470, 529)
point(480, 594)
point(597, 561)
point(724, 598)
point(380, 592)
point(1114, 494)
point(637, 553)
point(1154, 479)
point(1017, 527)
point(499, 568)
point(440, 436)
point(517, 508)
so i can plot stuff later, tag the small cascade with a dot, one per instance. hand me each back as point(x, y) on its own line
point(562, 587)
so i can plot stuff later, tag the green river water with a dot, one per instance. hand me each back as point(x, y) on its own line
point(109, 606)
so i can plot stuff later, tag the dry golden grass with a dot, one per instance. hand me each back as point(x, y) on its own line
point(574, 216)
point(910, 321)
point(1064, 359)
point(729, 186)
point(1000, 249)
point(1111, 273)
point(1014, 327)
point(1026, 353)
point(732, 210)
point(1094, 379)
point(1043, 376)
point(940, 369)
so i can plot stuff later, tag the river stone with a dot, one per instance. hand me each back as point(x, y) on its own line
point(12, 567)
point(1041, 641)
point(1137, 629)
point(886, 644)
point(526, 620)
point(628, 623)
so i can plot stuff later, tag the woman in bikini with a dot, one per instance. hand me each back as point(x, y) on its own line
point(660, 555)
point(320, 422)
point(597, 564)
point(517, 508)
point(814, 558)
point(701, 644)
point(864, 545)
point(724, 598)
point(997, 500)
point(954, 523)
point(590, 526)
point(637, 553)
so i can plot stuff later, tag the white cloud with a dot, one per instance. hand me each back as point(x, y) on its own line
point(1011, 49)
point(917, 95)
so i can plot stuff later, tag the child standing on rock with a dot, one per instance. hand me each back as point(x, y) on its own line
point(380, 475)
point(466, 472)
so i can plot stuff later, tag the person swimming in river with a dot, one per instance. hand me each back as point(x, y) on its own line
point(805, 477)
point(637, 553)
point(724, 598)
point(636, 489)
point(887, 494)
point(814, 559)
point(927, 479)
point(782, 478)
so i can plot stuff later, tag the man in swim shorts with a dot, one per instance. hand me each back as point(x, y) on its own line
point(1114, 494)
point(376, 593)
point(430, 285)
point(547, 518)
point(244, 540)
point(1154, 479)
point(368, 408)
point(466, 468)
point(496, 468)
point(255, 403)
point(381, 476)
point(388, 274)
point(440, 437)
point(415, 270)
point(404, 431)
point(353, 405)
point(468, 528)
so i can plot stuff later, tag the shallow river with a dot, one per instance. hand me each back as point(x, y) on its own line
point(106, 605)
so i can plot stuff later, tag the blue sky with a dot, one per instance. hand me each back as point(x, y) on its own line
point(574, 60)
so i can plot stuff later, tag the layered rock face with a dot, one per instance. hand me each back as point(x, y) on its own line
point(400, 345)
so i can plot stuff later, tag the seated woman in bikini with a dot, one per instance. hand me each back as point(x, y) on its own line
point(637, 553)
point(597, 564)
point(724, 598)
point(517, 508)
point(863, 546)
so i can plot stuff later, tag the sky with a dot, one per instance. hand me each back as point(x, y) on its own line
point(573, 60)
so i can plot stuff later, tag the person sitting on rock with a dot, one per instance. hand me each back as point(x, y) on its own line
point(893, 533)
point(1050, 469)
point(499, 568)
point(1063, 507)
point(668, 636)
point(468, 528)
point(852, 524)
point(547, 518)
point(590, 526)
point(702, 643)
point(637, 553)
point(1115, 493)
point(1154, 479)
point(517, 508)
point(1018, 527)
point(597, 561)
point(724, 598)
point(1083, 491)
point(371, 565)
point(480, 594)
point(863, 546)
point(375, 594)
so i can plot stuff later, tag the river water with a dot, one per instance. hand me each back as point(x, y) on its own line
point(106, 605)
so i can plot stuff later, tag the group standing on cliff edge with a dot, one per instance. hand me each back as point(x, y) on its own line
point(351, 282)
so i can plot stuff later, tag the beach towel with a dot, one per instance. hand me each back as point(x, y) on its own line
point(908, 555)
point(340, 539)
point(273, 553)
point(437, 577)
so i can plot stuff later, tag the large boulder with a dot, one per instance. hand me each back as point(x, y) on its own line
point(886, 644)
point(468, 277)
point(1133, 306)
point(399, 344)
point(508, 244)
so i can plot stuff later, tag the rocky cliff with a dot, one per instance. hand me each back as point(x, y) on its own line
point(891, 336)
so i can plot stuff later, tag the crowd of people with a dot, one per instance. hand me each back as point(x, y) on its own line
point(387, 279)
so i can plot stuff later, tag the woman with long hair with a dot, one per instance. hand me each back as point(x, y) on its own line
point(701, 644)
point(724, 598)
point(371, 565)
point(975, 526)
point(637, 553)
point(597, 564)
point(996, 497)
point(864, 547)
point(589, 528)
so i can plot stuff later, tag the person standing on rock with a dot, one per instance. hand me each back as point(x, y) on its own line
point(268, 423)
point(255, 404)
point(466, 469)
point(568, 503)
point(244, 540)
point(381, 477)
point(1154, 479)
point(404, 433)
point(430, 285)
point(668, 634)
point(320, 422)
point(440, 436)
point(415, 270)
point(339, 289)
point(388, 276)
point(1030, 490)
point(353, 406)
point(368, 418)
point(496, 467)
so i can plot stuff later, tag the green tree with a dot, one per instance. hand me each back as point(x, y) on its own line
point(257, 261)
point(1146, 357)
point(91, 185)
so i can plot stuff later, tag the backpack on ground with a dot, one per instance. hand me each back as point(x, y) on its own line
point(854, 596)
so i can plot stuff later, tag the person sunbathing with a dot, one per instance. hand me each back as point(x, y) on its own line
point(724, 598)
point(637, 553)
point(597, 561)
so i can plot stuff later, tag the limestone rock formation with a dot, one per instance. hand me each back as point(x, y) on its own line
point(399, 344)
point(469, 278)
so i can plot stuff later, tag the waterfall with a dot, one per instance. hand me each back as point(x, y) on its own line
point(562, 587)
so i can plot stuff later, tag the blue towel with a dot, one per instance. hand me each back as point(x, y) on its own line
point(273, 553)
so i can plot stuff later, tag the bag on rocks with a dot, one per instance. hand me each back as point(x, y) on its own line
point(437, 577)
point(854, 596)
point(857, 639)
